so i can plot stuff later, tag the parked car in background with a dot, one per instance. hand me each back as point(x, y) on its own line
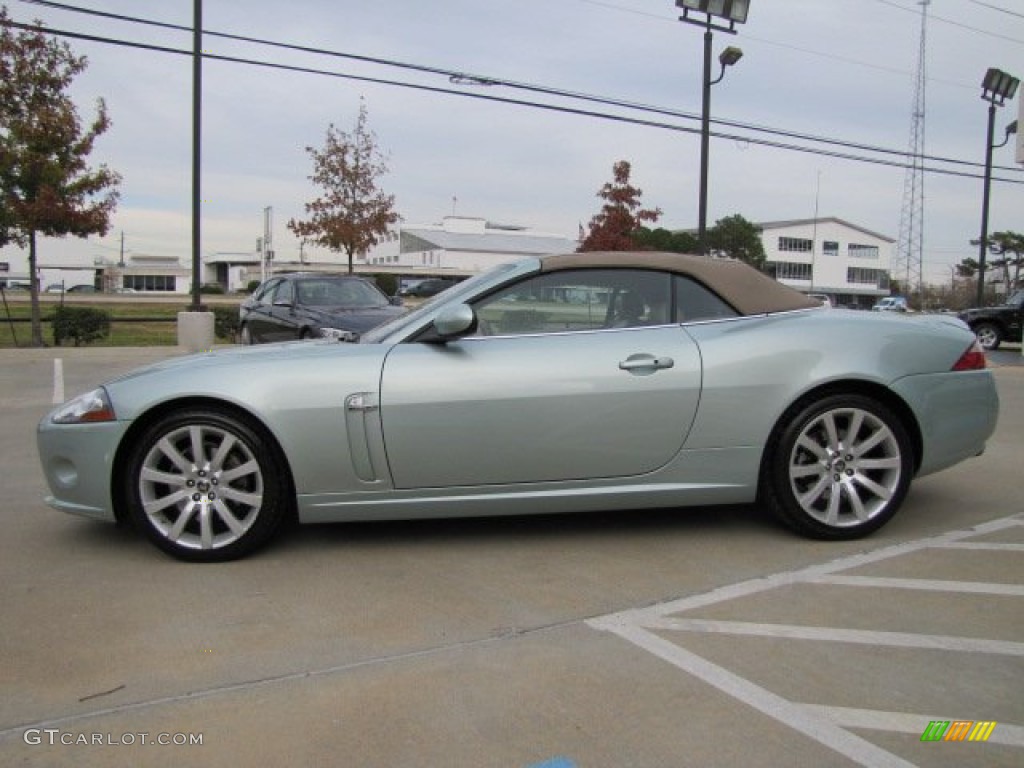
point(82, 288)
point(429, 287)
point(994, 325)
point(891, 304)
point(586, 381)
point(308, 305)
point(823, 298)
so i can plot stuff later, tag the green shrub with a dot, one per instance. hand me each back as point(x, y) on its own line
point(225, 323)
point(211, 288)
point(386, 282)
point(252, 286)
point(82, 324)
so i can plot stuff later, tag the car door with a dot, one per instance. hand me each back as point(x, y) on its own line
point(281, 324)
point(259, 307)
point(555, 387)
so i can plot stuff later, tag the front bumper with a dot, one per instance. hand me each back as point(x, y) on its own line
point(77, 460)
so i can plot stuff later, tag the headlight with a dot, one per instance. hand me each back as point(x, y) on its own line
point(337, 334)
point(90, 407)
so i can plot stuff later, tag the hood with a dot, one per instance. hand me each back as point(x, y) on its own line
point(272, 355)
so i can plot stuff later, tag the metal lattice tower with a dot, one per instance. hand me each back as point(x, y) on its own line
point(907, 267)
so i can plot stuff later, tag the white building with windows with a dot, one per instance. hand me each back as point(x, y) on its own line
point(462, 245)
point(848, 263)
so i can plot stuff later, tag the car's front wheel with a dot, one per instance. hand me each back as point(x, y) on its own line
point(204, 485)
point(839, 467)
point(989, 335)
point(245, 335)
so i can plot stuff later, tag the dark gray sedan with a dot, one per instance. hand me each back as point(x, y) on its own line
point(304, 305)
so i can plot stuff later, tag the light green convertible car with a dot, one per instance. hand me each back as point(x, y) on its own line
point(592, 381)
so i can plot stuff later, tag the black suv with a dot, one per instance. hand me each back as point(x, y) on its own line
point(309, 305)
point(994, 325)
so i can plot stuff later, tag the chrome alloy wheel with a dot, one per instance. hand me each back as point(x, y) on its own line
point(845, 467)
point(201, 487)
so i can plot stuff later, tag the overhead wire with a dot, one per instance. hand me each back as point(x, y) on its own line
point(458, 77)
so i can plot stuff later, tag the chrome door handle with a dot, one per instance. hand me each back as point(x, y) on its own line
point(648, 363)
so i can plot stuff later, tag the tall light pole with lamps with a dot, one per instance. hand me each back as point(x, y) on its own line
point(996, 88)
point(734, 12)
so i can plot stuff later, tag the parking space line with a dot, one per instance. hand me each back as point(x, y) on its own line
point(824, 724)
point(58, 381)
point(772, 705)
point(837, 635)
point(983, 546)
point(933, 585)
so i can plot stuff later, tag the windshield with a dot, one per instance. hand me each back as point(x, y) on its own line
point(340, 293)
point(452, 295)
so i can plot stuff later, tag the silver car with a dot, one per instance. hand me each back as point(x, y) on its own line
point(591, 381)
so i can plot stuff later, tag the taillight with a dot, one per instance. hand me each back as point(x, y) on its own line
point(971, 360)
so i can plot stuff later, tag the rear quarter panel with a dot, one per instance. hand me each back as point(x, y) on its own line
point(756, 367)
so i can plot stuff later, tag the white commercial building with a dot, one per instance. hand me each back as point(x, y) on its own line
point(848, 263)
point(462, 245)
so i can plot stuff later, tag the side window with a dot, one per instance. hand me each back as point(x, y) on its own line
point(263, 294)
point(285, 292)
point(695, 302)
point(577, 300)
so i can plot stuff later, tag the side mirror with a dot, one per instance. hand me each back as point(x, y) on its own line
point(457, 320)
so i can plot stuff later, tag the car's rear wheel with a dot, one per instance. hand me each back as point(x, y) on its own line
point(839, 467)
point(989, 335)
point(206, 486)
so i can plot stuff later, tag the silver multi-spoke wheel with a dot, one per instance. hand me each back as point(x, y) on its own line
point(840, 467)
point(201, 487)
point(205, 487)
point(845, 467)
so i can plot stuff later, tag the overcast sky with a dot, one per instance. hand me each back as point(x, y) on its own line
point(838, 69)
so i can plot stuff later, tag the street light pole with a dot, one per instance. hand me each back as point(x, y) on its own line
point(983, 242)
point(705, 144)
point(733, 11)
point(996, 88)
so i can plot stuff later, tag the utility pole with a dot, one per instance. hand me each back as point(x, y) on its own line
point(197, 107)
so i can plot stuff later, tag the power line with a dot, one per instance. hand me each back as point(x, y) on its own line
point(455, 76)
point(997, 8)
point(953, 23)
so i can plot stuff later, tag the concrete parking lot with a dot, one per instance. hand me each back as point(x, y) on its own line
point(708, 637)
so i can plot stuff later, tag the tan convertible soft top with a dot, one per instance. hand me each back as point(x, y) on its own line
point(748, 291)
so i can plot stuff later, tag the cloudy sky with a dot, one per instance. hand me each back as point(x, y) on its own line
point(841, 70)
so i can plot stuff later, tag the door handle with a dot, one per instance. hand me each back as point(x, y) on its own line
point(646, 363)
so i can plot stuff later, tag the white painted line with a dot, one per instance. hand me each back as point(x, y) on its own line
point(630, 625)
point(932, 585)
point(837, 635)
point(990, 546)
point(810, 574)
point(58, 381)
point(811, 724)
point(901, 722)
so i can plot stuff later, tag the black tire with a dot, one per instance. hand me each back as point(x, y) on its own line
point(220, 507)
point(825, 484)
point(990, 335)
point(305, 334)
